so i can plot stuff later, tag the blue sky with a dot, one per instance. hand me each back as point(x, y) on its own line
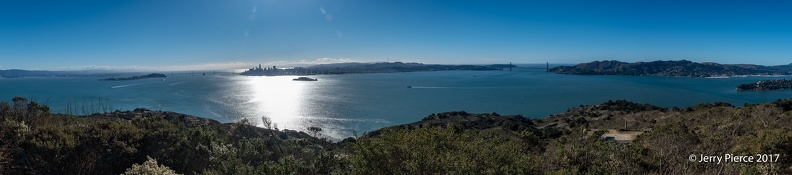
point(224, 34)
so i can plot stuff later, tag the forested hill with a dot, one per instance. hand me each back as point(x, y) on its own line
point(681, 68)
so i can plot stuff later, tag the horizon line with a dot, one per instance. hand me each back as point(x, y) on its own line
point(245, 65)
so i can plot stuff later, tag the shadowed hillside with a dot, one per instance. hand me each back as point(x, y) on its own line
point(681, 68)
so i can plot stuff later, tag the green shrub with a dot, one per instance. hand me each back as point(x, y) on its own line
point(150, 167)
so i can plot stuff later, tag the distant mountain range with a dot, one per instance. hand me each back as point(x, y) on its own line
point(18, 73)
point(337, 68)
point(15, 73)
point(681, 68)
point(357, 68)
point(392, 67)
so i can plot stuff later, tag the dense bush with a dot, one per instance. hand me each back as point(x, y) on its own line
point(148, 168)
point(441, 150)
point(37, 142)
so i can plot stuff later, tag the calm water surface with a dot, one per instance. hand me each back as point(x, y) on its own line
point(345, 104)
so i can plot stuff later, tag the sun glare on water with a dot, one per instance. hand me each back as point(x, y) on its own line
point(280, 99)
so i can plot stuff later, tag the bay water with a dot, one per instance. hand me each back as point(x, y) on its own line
point(343, 105)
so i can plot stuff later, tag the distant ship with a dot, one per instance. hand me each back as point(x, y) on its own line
point(305, 79)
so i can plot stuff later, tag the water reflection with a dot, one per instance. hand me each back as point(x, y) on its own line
point(278, 98)
point(293, 105)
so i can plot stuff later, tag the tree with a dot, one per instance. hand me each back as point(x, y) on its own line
point(267, 122)
point(315, 130)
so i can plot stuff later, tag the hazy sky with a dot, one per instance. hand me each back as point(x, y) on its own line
point(224, 34)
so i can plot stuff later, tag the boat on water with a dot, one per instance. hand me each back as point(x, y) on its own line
point(305, 79)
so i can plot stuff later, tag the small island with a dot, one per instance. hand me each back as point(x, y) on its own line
point(359, 68)
point(681, 68)
point(153, 75)
point(305, 79)
point(767, 85)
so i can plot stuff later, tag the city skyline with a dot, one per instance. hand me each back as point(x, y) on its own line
point(205, 34)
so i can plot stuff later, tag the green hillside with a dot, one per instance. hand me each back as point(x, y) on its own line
point(616, 137)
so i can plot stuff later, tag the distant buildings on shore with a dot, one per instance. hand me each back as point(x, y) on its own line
point(359, 68)
point(273, 71)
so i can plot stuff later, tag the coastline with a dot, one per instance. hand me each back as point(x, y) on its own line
point(766, 85)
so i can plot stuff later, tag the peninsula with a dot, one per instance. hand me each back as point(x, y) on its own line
point(359, 68)
point(19, 73)
point(153, 75)
point(681, 68)
point(767, 85)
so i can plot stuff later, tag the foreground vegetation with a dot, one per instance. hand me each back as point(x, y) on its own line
point(35, 141)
